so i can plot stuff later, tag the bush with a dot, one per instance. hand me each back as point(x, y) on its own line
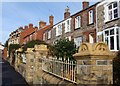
point(31, 44)
point(64, 48)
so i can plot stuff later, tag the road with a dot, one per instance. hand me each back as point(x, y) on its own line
point(9, 76)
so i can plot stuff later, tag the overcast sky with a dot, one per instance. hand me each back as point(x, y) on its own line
point(16, 14)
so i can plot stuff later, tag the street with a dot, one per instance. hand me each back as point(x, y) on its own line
point(10, 77)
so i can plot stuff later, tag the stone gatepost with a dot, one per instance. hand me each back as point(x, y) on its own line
point(94, 64)
point(18, 58)
point(30, 65)
point(40, 52)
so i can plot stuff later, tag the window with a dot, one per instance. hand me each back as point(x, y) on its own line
point(111, 38)
point(59, 30)
point(43, 36)
point(67, 26)
point(78, 41)
point(69, 38)
point(91, 38)
point(111, 11)
point(30, 37)
point(49, 34)
point(77, 22)
point(91, 16)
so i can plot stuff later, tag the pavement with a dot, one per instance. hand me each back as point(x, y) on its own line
point(9, 76)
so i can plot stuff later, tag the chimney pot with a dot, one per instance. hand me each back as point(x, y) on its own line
point(30, 25)
point(42, 24)
point(85, 4)
point(67, 13)
point(26, 27)
point(51, 19)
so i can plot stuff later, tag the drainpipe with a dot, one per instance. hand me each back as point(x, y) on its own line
point(119, 36)
point(96, 25)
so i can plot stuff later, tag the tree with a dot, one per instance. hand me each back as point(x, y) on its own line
point(116, 69)
point(32, 43)
point(64, 48)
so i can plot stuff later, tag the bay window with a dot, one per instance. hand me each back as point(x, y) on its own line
point(111, 38)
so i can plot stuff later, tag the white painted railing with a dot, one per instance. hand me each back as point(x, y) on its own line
point(63, 69)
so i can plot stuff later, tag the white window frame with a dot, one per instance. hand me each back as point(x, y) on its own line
point(77, 22)
point(115, 37)
point(69, 38)
point(59, 30)
point(78, 39)
point(91, 16)
point(43, 36)
point(112, 10)
point(49, 34)
point(67, 26)
point(30, 37)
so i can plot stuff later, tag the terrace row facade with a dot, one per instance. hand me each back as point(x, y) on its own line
point(96, 23)
point(28, 33)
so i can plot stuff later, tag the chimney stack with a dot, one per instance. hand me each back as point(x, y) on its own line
point(30, 25)
point(51, 19)
point(85, 4)
point(42, 24)
point(67, 13)
point(26, 27)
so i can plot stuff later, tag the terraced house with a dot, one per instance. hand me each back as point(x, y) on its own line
point(108, 23)
point(80, 27)
point(14, 37)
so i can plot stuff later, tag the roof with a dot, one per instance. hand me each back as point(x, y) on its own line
point(40, 32)
point(73, 15)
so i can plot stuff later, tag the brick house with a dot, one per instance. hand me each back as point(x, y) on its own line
point(59, 29)
point(43, 27)
point(28, 34)
point(84, 24)
point(79, 27)
point(14, 37)
point(108, 23)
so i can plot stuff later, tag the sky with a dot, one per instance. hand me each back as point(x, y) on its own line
point(15, 14)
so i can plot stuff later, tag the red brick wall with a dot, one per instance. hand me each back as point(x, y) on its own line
point(87, 34)
point(26, 34)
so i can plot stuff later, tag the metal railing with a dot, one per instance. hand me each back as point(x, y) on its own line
point(62, 69)
point(84, 74)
